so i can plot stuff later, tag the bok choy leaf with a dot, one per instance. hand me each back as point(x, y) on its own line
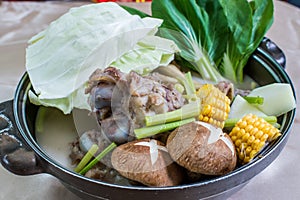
point(248, 22)
point(199, 28)
point(216, 37)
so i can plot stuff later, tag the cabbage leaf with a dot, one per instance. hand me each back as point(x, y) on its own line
point(60, 59)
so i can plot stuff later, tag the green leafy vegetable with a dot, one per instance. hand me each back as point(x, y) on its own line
point(248, 22)
point(199, 33)
point(60, 59)
point(216, 37)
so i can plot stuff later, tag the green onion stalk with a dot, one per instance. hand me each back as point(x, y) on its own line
point(153, 130)
point(229, 123)
point(96, 159)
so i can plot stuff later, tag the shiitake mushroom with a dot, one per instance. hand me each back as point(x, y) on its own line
point(202, 148)
point(147, 161)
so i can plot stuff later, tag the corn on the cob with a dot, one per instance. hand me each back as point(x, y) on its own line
point(250, 135)
point(215, 105)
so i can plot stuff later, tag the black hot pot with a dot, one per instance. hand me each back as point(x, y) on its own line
point(22, 155)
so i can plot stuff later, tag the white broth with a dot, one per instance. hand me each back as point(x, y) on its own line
point(55, 132)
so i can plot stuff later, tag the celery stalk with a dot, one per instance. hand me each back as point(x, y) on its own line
point(153, 130)
point(187, 111)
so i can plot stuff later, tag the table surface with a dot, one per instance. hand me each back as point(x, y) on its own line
point(19, 21)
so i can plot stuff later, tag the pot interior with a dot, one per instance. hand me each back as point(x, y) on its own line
point(261, 68)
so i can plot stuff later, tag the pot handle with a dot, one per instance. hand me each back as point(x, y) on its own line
point(14, 152)
point(273, 50)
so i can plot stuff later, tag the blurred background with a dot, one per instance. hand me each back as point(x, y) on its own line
point(294, 2)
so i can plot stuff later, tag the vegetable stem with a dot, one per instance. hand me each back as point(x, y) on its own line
point(188, 77)
point(153, 130)
point(232, 121)
point(254, 100)
point(206, 69)
point(189, 110)
point(98, 158)
point(88, 156)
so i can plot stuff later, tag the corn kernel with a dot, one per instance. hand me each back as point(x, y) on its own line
point(254, 131)
point(248, 150)
point(266, 129)
point(245, 137)
point(236, 129)
point(238, 142)
point(253, 153)
point(250, 140)
point(260, 145)
point(242, 124)
point(247, 159)
point(205, 119)
point(255, 143)
point(241, 133)
point(258, 134)
point(261, 126)
point(233, 138)
point(264, 137)
point(249, 128)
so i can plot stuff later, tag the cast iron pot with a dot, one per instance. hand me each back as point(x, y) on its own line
point(22, 155)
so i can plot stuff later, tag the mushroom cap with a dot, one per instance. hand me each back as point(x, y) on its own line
point(133, 161)
point(202, 148)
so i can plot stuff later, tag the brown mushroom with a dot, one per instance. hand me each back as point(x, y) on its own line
point(202, 148)
point(147, 161)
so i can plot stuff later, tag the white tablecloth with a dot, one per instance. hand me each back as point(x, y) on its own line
point(21, 20)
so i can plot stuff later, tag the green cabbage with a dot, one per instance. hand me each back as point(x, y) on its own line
point(60, 59)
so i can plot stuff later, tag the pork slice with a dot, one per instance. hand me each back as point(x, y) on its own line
point(138, 85)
